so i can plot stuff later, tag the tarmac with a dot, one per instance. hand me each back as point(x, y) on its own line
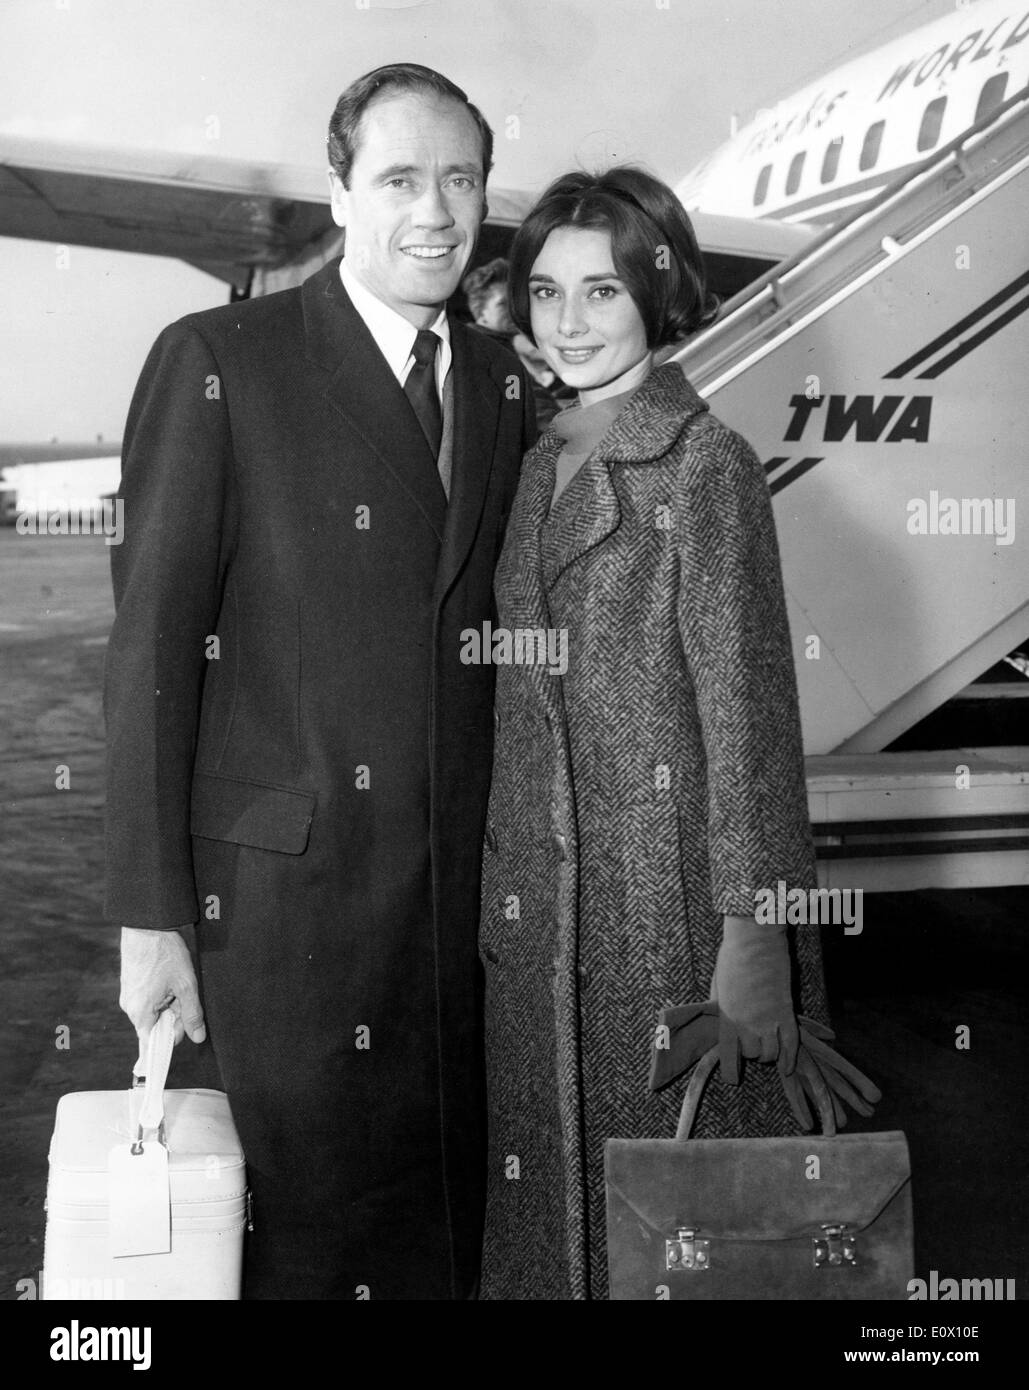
point(925, 964)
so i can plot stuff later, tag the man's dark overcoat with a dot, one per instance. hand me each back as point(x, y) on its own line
point(299, 760)
point(654, 787)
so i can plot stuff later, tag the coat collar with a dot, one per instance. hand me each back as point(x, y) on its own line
point(652, 419)
point(644, 431)
point(538, 550)
point(363, 390)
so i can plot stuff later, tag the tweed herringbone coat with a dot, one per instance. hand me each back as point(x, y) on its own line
point(635, 799)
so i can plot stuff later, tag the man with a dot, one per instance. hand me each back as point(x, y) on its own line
point(316, 486)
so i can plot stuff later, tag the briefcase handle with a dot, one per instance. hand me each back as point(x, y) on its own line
point(691, 1100)
point(701, 1075)
point(153, 1071)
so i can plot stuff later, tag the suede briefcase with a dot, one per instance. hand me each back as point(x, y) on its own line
point(813, 1217)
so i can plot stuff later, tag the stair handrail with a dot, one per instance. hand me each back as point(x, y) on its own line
point(772, 279)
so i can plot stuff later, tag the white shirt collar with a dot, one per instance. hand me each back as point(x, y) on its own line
point(394, 335)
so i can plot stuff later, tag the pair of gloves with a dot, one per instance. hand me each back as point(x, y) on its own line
point(750, 1015)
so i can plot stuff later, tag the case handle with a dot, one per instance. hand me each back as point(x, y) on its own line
point(702, 1073)
point(154, 1069)
point(691, 1100)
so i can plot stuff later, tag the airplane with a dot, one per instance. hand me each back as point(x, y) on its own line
point(835, 144)
point(262, 227)
point(57, 469)
point(757, 202)
point(15, 455)
point(758, 199)
point(822, 221)
point(255, 227)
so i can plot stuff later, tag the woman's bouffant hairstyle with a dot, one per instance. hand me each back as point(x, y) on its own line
point(652, 240)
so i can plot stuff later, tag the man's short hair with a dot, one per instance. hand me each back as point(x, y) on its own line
point(653, 244)
point(482, 281)
point(395, 77)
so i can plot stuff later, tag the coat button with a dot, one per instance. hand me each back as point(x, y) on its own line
point(584, 976)
point(561, 844)
point(491, 839)
point(496, 719)
point(491, 955)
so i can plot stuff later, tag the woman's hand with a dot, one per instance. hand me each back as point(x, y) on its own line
point(752, 987)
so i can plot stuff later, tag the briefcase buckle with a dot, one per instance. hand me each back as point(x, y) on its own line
point(836, 1246)
point(687, 1252)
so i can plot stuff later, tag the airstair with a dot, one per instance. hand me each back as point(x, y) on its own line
point(883, 376)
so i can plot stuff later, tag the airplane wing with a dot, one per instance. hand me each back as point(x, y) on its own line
point(225, 216)
point(265, 227)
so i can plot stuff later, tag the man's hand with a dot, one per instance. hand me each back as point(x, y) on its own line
point(157, 971)
point(752, 986)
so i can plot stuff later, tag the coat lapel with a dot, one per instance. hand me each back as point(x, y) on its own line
point(521, 593)
point(538, 550)
point(477, 400)
point(584, 515)
point(366, 394)
point(642, 432)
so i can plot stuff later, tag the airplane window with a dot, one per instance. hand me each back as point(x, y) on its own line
point(795, 170)
point(932, 120)
point(831, 162)
point(870, 148)
point(761, 187)
point(991, 95)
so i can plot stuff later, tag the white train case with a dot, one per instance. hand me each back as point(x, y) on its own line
point(147, 1195)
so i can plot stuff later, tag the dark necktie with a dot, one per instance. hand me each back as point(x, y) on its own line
point(420, 388)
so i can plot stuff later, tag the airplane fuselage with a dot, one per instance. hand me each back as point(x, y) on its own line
point(838, 142)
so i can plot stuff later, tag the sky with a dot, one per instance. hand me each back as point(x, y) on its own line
point(563, 83)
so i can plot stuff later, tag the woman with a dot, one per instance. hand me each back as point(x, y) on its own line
point(640, 799)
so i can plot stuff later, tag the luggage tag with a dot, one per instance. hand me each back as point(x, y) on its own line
point(139, 1186)
point(139, 1198)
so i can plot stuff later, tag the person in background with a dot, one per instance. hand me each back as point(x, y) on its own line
point(486, 291)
